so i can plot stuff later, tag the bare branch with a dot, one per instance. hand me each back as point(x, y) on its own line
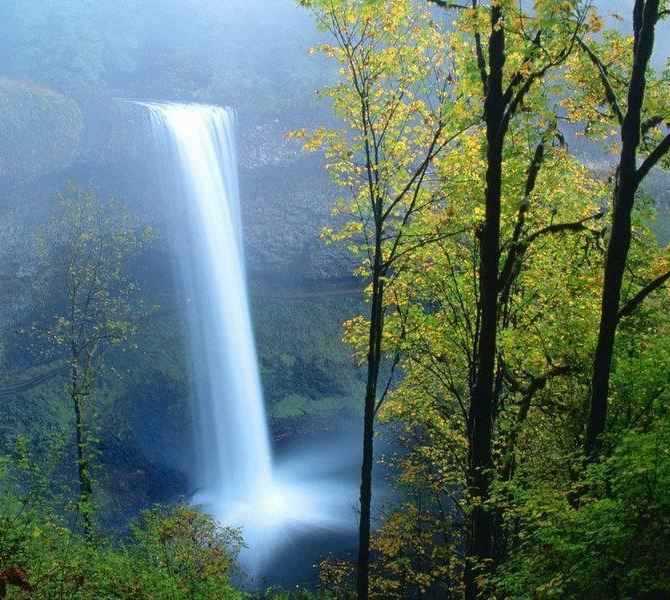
point(561, 227)
point(630, 306)
point(610, 95)
point(657, 154)
point(16, 388)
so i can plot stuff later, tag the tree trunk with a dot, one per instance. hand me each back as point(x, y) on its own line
point(83, 471)
point(615, 264)
point(479, 541)
point(374, 361)
point(627, 182)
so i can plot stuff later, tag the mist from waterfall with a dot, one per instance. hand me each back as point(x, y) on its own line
point(234, 474)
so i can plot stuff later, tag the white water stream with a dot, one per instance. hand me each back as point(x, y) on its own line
point(235, 476)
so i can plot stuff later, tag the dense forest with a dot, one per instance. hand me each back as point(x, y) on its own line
point(335, 299)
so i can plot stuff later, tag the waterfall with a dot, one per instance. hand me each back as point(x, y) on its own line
point(234, 460)
point(234, 474)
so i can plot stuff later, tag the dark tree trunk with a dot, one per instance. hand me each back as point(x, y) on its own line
point(83, 471)
point(374, 361)
point(627, 182)
point(479, 542)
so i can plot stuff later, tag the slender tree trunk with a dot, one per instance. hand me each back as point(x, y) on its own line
point(374, 361)
point(83, 471)
point(479, 542)
point(627, 182)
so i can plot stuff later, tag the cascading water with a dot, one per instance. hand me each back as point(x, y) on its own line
point(235, 456)
point(234, 474)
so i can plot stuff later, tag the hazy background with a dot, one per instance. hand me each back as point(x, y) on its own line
point(67, 67)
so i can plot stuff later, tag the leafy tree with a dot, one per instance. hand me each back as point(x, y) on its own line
point(197, 552)
point(85, 250)
point(393, 101)
point(546, 308)
point(174, 553)
point(511, 52)
point(614, 546)
point(630, 101)
point(492, 324)
point(546, 341)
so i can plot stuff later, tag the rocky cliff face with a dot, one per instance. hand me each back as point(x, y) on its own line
point(40, 131)
point(286, 195)
point(285, 207)
point(286, 201)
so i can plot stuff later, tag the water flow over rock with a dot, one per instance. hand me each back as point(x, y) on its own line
point(235, 460)
point(234, 474)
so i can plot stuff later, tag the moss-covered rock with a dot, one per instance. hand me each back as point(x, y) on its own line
point(308, 372)
point(40, 130)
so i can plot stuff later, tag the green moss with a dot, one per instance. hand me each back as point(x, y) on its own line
point(295, 406)
point(307, 369)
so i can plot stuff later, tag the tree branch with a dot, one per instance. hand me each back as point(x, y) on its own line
point(517, 78)
point(610, 95)
point(531, 180)
point(657, 154)
point(17, 388)
point(479, 49)
point(650, 124)
point(561, 227)
point(527, 393)
point(640, 297)
point(513, 101)
point(481, 60)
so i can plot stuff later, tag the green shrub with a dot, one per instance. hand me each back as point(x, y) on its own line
point(174, 554)
point(612, 543)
